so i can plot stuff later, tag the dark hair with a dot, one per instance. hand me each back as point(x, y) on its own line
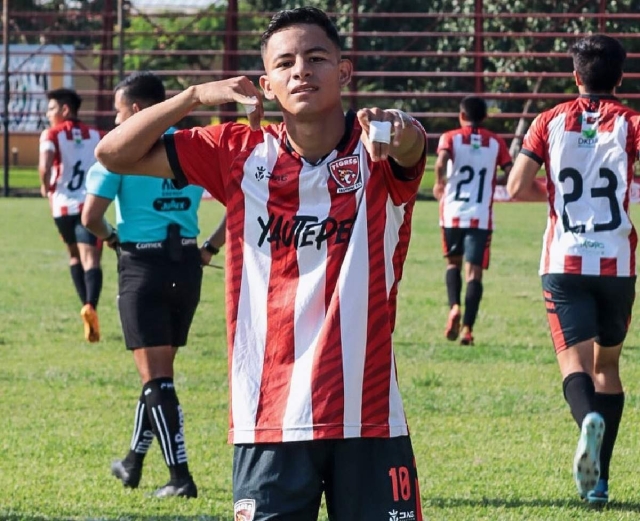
point(67, 97)
point(301, 15)
point(474, 109)
point(142, 87)
point(598, 60)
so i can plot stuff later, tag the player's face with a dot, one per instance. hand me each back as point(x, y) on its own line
point(304, 71)
point(124, 109)
point(55, 112)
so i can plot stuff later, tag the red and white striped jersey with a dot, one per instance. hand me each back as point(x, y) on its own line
point(588, 147)
point(73, 144)
point(475, 154)
point(314, 258)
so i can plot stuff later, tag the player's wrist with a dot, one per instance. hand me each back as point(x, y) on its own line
point(207, 246)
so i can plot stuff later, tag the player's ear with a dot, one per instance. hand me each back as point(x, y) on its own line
point(576, 77)
point(135, 108)
point(345, 70)
point(620, 80)
point(265, 85)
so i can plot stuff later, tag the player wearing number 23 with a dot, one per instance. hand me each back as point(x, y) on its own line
point(588, 147)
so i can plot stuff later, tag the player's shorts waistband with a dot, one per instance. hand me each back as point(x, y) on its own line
point(158, 246)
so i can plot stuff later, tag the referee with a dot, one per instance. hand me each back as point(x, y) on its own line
point(159, 278)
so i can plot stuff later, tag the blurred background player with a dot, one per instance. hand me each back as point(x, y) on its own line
point(466, 166)
point(159, 279)
point(588, 147)
point(66, 153)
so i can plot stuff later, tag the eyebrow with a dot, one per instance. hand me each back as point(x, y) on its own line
point(312, 50)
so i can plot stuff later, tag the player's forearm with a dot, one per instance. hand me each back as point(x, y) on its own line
point(525, 191)
point(126, 145)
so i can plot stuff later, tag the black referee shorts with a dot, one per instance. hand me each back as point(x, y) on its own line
point(157, 298)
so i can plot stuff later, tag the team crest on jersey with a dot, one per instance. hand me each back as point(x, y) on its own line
point(588, 129)
point(244, 510)
point(346, 172)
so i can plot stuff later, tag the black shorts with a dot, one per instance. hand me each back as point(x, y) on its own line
point(72, 232)
point(581, 307)
point(472, 243)
point(157, 298)
point(362, 478)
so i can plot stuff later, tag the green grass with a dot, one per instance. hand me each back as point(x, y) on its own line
point(493, 437)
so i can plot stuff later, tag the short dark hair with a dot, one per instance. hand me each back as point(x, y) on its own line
point(68, 97)
point(142, 87)
point(474, 108)
point(598, 60)
point(301, 15)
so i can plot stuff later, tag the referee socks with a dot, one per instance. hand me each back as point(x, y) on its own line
point(167, 422)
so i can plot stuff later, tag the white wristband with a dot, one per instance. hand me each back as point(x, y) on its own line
point(380, 131)
point(248, 108)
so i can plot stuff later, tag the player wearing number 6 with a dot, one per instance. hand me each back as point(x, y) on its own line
point(588, 147)
point(66, 153)
point(465, 180)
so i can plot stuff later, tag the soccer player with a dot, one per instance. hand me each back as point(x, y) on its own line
point(66, 153)
point(159, 279)
point(588, 147)
point(466, 166)
point(318, 221)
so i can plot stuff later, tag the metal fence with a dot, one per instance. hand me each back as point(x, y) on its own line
point(422, 61)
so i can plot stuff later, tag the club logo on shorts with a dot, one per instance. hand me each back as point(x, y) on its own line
point(346, 172)
point(244, 510)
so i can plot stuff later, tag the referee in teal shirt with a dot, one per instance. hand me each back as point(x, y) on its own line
point(159, 279)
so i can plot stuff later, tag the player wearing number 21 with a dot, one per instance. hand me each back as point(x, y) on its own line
point(465, 180)
point(66, 153)
point(588, 147)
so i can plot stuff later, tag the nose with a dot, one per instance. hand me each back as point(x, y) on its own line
point(301, 68)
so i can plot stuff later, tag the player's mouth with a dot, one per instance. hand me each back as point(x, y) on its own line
point(304, 89)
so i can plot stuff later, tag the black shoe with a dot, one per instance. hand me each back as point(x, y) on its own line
point(183, 488)
point(130, 476)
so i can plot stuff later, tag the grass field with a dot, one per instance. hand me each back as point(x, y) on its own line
point(493, 437)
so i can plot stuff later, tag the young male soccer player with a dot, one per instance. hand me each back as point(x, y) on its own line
point(159, 279)
point(318, 223)
point(466, 166)
point(588, 147)
point(66, 153)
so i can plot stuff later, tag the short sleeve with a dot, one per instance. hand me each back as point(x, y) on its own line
point(102, 183)
point(47, 141)
point(204, 156)
point(535, 140)
point(504, 157)
point(445, 143)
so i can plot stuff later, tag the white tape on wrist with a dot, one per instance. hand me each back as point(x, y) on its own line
point(380, 131)
point(248, 108)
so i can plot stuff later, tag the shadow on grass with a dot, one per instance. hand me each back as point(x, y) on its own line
point(619, 506)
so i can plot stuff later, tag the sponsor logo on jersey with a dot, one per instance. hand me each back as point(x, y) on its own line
point(244, 510)
point(262, 173)
point(303, 230)
point(346, 173)
point(476, 142)
point(588, 130)
point(171, 204)
point(396, 515)
point(590, 247)
point(76, 135)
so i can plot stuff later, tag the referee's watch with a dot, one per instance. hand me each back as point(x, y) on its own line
point(210, 248)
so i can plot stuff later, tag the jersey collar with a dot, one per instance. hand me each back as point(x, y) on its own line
point(350, 118)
